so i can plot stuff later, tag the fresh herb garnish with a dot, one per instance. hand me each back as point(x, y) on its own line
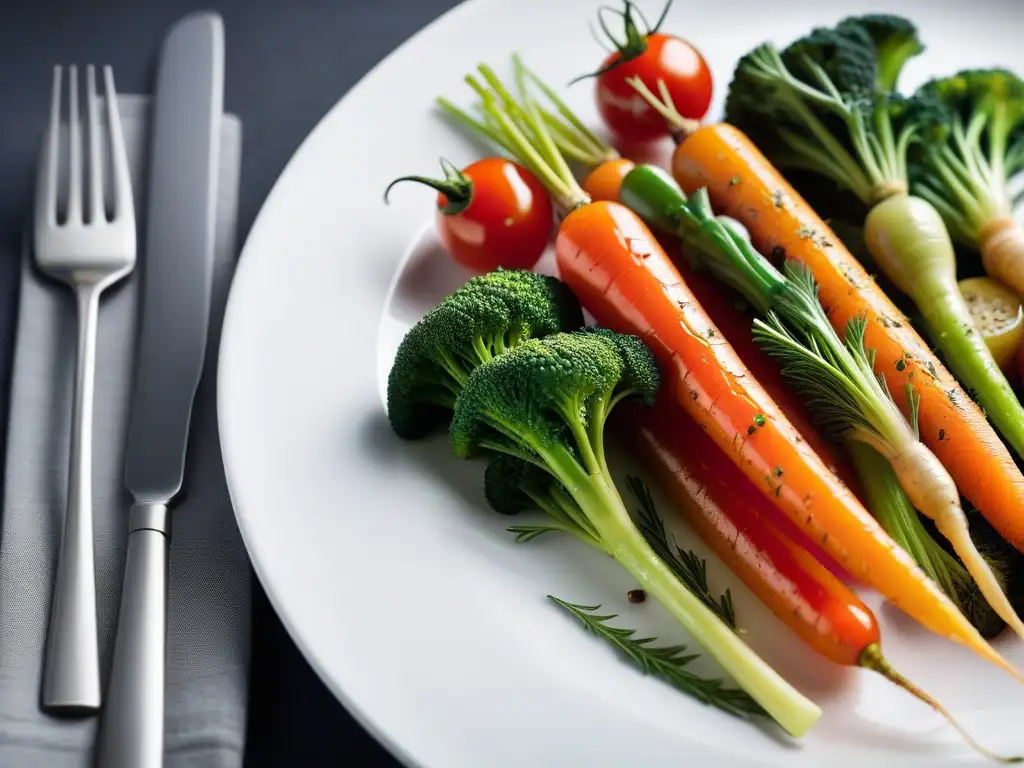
point(667, 662)
point(687, 566)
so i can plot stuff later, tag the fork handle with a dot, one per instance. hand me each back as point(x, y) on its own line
point(132, 727)
point(71, 677)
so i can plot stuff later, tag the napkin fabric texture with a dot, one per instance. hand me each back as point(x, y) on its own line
point(209, 588)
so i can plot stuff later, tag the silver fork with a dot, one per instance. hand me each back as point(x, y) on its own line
point(89, 253)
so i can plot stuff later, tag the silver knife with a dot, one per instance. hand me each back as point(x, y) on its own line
point(177, 272)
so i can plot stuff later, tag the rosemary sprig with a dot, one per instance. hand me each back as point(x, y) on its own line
point(687, 566)
point(667, 662)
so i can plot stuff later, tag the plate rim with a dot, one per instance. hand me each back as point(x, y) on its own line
point(372, 727)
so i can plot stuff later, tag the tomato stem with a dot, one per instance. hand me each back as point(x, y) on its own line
point(635, 43)
point(456, 187)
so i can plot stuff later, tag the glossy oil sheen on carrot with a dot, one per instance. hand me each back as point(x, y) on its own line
point(625, 279)
point(740, 528)
point(735, 324)
point(743, 184)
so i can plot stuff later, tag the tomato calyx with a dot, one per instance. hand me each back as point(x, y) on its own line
point(634, 42)
point(456, 187)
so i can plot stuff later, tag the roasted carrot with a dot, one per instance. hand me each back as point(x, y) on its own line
point(604, 180)
point(628, 283)
point(734, 325)
point(743, 184)
point(713, 494)
point(740, 527)
point(836, 373)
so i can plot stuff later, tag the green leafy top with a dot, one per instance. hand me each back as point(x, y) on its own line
point(974, 146)
point(895, 41)
point(483, 318)
point(528, 121)
point(828, 103)
point(836, 375)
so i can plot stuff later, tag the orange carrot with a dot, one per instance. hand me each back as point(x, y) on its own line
point(604, 181)
point(743, 184)
point(720, 304)
point(625, 279)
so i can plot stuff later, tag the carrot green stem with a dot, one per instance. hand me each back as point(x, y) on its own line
point(680, 126)
point(536, 138)
point(599, 150)
point(475, 126)
point(545, 133)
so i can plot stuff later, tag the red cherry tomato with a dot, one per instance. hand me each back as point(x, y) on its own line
point(653, 57)
point(493, 213)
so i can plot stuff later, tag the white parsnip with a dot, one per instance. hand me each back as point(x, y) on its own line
point(933, 493)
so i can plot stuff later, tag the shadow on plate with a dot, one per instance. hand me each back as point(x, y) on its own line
point(430, 456)
point(425, 276)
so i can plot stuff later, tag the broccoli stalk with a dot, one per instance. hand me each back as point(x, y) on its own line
point(964, 168)
point(545, 403)
point(826, 104)
point(484, 318)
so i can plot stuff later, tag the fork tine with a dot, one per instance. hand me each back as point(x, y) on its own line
point(46, 184)
point(96, 202)
point(119, 156)
point(74, 149)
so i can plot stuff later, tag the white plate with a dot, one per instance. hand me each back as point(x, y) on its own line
point(401, 588)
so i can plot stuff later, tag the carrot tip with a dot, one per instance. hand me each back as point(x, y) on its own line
point(872, 658)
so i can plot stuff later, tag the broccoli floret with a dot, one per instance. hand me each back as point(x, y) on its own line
point(545, 404)
point(974, 145)
point(845, 55)
point(534, 401)
point(827, 103)
point(895, 42)
point(541, 409)
point(485, 317)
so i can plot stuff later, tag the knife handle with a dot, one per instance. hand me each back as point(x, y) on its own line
point(132, 728)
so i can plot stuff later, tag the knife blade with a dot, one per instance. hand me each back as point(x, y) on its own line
point(177, 274)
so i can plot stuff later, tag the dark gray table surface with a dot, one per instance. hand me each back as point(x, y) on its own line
point(288, 61)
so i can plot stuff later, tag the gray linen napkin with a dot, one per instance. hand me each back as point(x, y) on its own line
point(209, 590)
